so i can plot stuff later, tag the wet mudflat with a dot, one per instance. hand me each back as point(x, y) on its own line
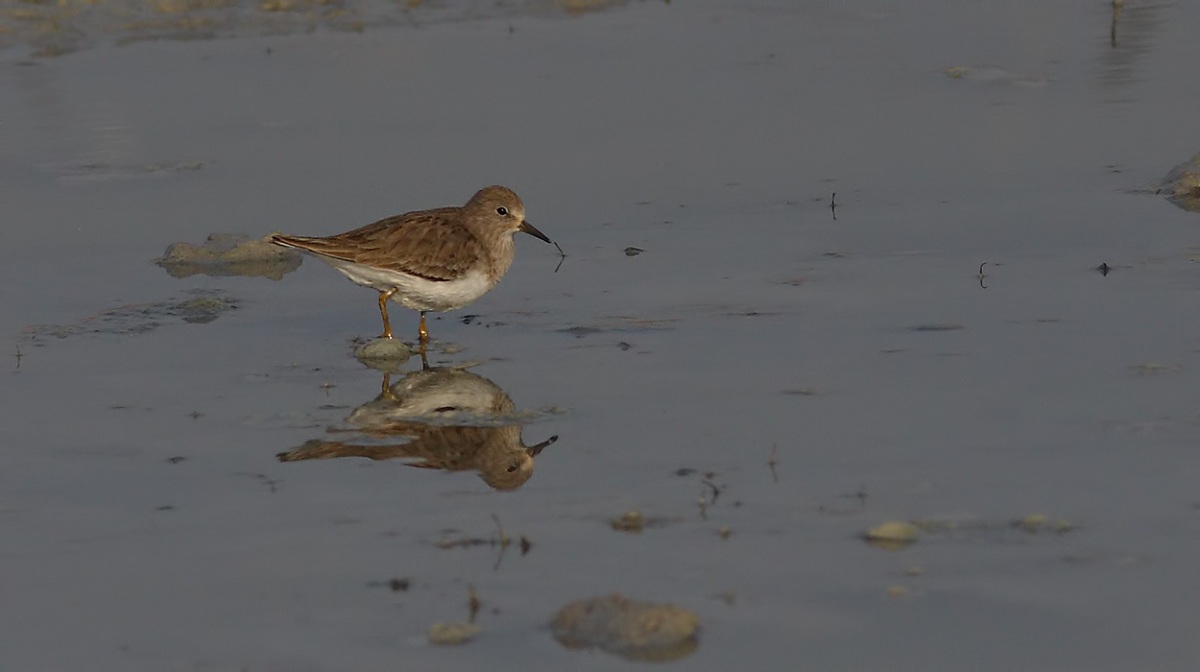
point(738, 399)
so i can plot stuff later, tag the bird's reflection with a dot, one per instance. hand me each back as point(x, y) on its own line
point(443, 418)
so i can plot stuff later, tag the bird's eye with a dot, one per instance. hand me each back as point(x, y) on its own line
point(502, 211)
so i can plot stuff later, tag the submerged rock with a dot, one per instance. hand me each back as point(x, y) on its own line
point(988, 74)
point(1182, 185)
point(200, 307)
point(383, 354)
point(229, 254)
point(634, 630)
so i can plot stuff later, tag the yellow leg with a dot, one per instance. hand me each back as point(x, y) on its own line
point(383, 299)
point(422, 331)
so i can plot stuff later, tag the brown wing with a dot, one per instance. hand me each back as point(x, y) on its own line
point(429, 243)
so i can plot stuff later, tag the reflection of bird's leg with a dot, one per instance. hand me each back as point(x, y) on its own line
point(383, 299)
point(386, 392)
point(424, 361)
point(422, 331)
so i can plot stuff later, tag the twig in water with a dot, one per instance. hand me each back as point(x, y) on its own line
point(504, 540)
point(562, 256)
point(473, 603)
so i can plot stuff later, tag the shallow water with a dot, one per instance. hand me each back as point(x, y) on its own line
point(764, 382)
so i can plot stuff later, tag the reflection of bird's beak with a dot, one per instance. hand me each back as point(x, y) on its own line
point(534, 450)
point(529, 228)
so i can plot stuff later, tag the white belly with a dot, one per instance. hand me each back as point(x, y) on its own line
point(415, 292)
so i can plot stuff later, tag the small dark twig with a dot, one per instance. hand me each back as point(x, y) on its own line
point(562, 256)
point(503, 541)
point(716, 490)
point(473, 603)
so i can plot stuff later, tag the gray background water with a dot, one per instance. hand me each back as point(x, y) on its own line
point(712, 136)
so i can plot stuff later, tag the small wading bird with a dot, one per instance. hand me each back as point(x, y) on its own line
point(438, 259)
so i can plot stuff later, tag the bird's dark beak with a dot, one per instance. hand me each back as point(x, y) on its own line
point(529, 228)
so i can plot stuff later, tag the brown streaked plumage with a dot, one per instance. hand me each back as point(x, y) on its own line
point(438, 259)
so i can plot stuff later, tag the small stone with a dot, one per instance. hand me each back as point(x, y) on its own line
point(452, 634)
point(1034, 522)
point(385, 354)
point(630, 521)
point(893, 532)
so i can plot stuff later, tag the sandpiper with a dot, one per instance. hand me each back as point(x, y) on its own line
point(438, 259)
